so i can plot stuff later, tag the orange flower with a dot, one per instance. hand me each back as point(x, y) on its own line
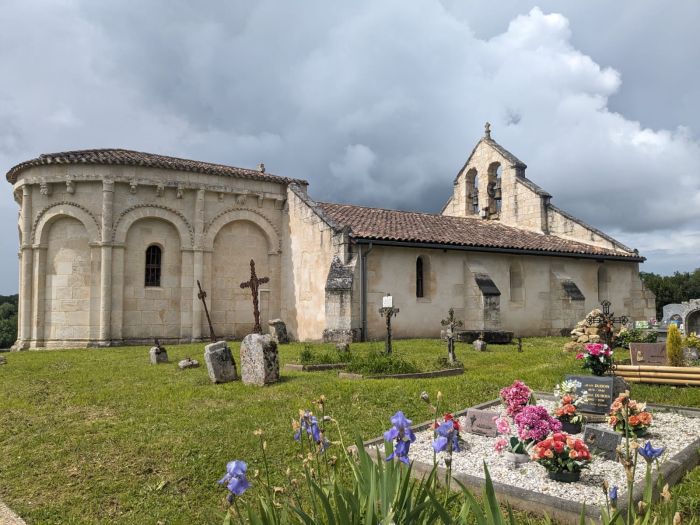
point(634, 421)
point(558, 447)
point(567, 399)
point(570, 409)
point(548, 453)
point(573, 454)
point(645, 418)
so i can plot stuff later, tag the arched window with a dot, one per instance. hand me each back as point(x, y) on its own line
point(516, 283)
point(419, 277)
point(475, 194)
point(602, 284)
point(153, 258)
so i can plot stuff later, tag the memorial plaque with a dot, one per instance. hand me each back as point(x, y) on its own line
point(601, 393)
point(641, 325)
point(648, 353)
point(481, 422)
point(602, 441)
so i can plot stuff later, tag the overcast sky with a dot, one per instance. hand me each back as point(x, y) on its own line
point(376, 102)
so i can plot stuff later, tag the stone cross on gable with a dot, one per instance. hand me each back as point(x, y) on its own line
point(254, 284)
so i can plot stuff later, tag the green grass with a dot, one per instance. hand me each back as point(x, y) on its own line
point(101, 436)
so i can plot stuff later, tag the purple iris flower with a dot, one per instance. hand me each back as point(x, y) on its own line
point(403, 435)
point(446, 434)
point(613, 494)
point(235, 479)
point(650, 453)
point(309, 423)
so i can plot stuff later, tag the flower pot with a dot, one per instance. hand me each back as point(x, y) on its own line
point(571, 428)
point(565, 476)
point(639, 432)
point(517, 458)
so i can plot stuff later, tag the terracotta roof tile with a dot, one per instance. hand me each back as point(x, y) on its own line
point(137, 158)
point(402, 226)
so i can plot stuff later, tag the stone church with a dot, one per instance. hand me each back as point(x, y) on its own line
point(113, 243)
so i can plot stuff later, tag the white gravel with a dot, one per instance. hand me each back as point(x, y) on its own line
point(673, 431)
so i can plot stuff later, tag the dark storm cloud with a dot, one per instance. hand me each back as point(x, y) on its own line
point(373, 103)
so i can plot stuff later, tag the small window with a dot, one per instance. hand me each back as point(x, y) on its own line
point(419, 277)
point(153, 256)
point(516, 283)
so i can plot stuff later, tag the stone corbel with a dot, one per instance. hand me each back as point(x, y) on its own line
point(44, 188)
point(280, 202)
point(261, 198)
point(221, 195)
point(160, 189)
point(70, 187)
point(180, 189)
point(133, 185)
point(241, 199)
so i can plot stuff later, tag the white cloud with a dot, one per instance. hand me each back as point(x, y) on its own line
point(374, 103)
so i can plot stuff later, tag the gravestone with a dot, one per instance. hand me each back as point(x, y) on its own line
point(278, 331)
point(3, 361)
point(602, 441)
point(259, 360)
point(481, 422)
point(220, 364)
point(158, 354)
point(479, 345)
point(188, 363)
point(601, 392)
point(343, 348)
point(648, 354)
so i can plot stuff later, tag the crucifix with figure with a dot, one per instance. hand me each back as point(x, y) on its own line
point(254, 284)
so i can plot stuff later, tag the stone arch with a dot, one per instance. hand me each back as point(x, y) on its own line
point(152, 211)
point(64, 209)
point(472, 196)
point(229, 216)
point(494, 187)
point(691, 322)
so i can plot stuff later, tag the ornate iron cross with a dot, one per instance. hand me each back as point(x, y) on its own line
point(606, 321)
point(254, 284)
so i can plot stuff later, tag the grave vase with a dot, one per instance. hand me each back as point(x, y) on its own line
point(570, 428)
point(565, 476)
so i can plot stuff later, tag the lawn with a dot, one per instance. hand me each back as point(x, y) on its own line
point(101, 436)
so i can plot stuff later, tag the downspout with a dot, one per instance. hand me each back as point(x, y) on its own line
point(363, 288)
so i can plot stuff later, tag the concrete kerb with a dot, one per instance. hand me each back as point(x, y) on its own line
point(672, 471)
point(7, 517)
point(295, 367)
point(417, 375)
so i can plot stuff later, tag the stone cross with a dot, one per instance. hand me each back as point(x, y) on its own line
point(606, 322)
point(520, 344)
point(202, 295)
point(254, 284)
point(450, 324)
point(387, 312)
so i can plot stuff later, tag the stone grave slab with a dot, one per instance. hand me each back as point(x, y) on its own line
point(188, 363)
point(648, 354)
point(601, 393)
point(481, 422)
point(219, 361)
point(602, 441)
point(259, 360)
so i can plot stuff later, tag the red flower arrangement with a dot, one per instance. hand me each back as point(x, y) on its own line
point(562, 453)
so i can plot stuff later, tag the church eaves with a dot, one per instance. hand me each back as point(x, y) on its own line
point(442, 231)
point(123, 157)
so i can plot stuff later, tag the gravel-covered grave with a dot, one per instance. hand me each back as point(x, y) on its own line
point(673, 431)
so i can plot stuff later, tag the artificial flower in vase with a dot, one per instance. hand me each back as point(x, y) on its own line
point(597, 357)
point(563, 456)
point(532, 424)
point(567, 411)
point(628, 417)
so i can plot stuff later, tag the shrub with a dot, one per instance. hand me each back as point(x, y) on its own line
point(635, 335)
point(674, 346)
point(692, 341)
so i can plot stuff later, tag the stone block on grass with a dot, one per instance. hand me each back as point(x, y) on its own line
point(158, 355)
point(220, 364)
point(259, 360)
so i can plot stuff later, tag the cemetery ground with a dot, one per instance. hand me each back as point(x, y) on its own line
point(102, 436)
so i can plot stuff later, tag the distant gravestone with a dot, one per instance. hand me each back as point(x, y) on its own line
point(259, 360)
point(601, 392)
point(602, 441)
point(481, 422)
point(188, 363)
point(479, 344)
point(3, 361)
point(648, 353)
point(278, 331)
point(158, 354)
point(220, 364)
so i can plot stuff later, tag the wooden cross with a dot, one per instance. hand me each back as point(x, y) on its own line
point(254, 284)
point(202, 295)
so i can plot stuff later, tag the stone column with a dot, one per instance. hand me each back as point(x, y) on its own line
point(25, 279)
point(198, 266)
point(38, 289)
point(106, 262)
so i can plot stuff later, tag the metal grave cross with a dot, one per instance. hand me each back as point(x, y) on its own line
point(606, 321)
point(254, 284)
point(202, 295)
point(450, 324)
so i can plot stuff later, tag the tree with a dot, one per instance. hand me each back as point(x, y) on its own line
point(669, 289)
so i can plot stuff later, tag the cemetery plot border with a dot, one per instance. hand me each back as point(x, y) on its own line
point(673, 469)
point(296, 367)
point(416, 375)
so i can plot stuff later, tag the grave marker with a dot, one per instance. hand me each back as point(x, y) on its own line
point(481, 422)
point(259, 360)
point(254, 284)
point(648, 353)
point(220, 364)
point(602, 441)
point(601, 392)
